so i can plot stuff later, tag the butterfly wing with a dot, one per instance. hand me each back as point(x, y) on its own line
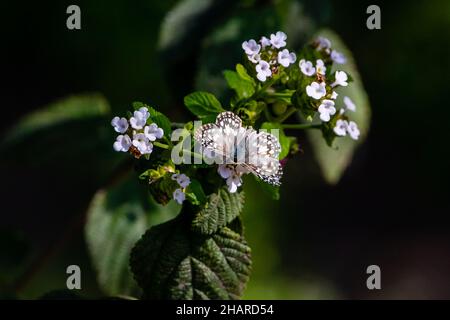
point(218, 139)
point(264, 151)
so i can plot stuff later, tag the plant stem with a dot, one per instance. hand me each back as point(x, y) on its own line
point(302, 126)
point(161, 145)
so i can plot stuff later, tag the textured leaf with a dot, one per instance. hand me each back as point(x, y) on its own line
point(117, 217)
point(333, 161)
point(220, 209)
point(203, 104)
point(172, 262)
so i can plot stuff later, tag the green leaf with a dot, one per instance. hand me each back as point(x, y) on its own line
point(203, 104)
point(243, 88)
point(334, 161)
point(66, 110)
point(189, 17)
point(57, 136)
point(285, 142)
point(271, 190)
point(195, 191)
point(116, 218)
point(172, 262)
point(220, 209)
point(240, 69)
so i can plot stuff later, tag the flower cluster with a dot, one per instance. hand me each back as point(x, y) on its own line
point(322, 91)
point(136, 136)
point(268, 55)
point(344, 126)
point(183, 181)
point(324, 45)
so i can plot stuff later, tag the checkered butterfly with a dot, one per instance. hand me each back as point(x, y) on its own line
point(229, 143)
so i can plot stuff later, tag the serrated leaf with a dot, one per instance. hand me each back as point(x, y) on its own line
point(116, 218)
point(220, 209)
point(172, 262)
point(203, 104)
point(334, 161)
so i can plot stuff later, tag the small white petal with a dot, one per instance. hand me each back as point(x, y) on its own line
point(353, 130)
point(179, 196)
point(349, 104)
point(278, 40)
point(340, 79)
point(251, 47)
point(122, 143)
point(338, 57)
point(341, 128)
point(307, 68)
point(120, 124)
point(316, 90)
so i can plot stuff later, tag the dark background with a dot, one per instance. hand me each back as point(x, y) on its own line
point(390, 208)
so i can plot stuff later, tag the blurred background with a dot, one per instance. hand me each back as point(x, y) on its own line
point(390, 207)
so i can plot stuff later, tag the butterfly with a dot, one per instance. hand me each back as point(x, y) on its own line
point(228, 142)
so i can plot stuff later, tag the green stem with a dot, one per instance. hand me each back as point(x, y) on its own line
point(302, 126)
point(161, 145)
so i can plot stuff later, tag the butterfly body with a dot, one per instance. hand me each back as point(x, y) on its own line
point(229, 143)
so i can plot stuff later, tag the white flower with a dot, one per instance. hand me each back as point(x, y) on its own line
point(263, 70)
point(123, 143)
point(139, 118)
point(265, 42)
point(153, 132)
point(353, 131)
point(349, 104)
point(340, 79)
point(334, 95)
point(307, 68)
point(233, 175)
point(285, 58)
point(326, 109)
point(233, 183)
point(341, 128)
point(224, 171)
point(179, 196)
point(251, 47)
point(120, 124)
point(141, 142)
point(182, 179)
point(255, 58)
point(278, 40)
point(320, 67)
point(316, 90)
point(323, 43)
point(338, 57)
